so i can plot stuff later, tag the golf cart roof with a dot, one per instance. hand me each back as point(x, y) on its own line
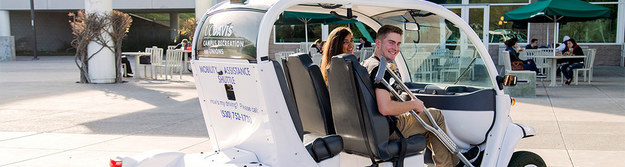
point(254, 20)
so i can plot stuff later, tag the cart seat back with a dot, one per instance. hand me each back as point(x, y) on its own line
point(356, 115)
point(310, 93)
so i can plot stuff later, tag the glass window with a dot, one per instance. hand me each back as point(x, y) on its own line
point(296, 33)
point(355, 30)
point(498, 1)
point(224, 37)
point(436, 54)
point(501, 30)
point(595, 31)
point(601, 0)
point(447, 1)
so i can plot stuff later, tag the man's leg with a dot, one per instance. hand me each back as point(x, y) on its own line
point(128, 68)
point(409, 126)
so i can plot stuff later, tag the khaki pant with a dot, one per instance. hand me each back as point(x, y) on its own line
point(409, 126)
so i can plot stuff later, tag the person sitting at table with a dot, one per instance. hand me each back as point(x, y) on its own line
point(317, 45)
point(128, 68)
point(533, 44)
point(562, 45)
point(568, 65)
point(364, 43)
point(184, 44)
point(528, 64)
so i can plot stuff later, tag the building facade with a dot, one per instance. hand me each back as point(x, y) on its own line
point(485, 16)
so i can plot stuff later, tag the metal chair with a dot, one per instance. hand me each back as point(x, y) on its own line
point(156, 61)
point(541, 63)
point(146, 64)
point(365, 53)
point(424, 66)
point(588, 64)
point(173, 60)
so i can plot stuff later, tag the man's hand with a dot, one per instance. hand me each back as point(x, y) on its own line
point(417, 105)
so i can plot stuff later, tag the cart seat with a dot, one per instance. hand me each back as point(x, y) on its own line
point(356, 115)
point(320, 147)
point(310, 93)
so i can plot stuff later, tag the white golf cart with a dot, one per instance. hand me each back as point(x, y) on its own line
point(266, 111)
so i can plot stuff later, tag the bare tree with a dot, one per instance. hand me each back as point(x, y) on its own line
point(90, 27)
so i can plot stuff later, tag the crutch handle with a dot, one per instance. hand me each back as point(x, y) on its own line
point(379, 76)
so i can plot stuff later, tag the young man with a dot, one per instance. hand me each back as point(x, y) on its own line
point(533, 44)
point(388, 40)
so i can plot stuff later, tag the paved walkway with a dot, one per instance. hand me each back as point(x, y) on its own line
point(46, 119)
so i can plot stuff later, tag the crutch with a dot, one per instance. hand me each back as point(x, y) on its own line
point(434, 128)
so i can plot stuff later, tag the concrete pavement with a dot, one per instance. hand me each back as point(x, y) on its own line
point(46, 119)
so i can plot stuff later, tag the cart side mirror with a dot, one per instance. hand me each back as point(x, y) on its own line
point(506, 80)
point(412, 26)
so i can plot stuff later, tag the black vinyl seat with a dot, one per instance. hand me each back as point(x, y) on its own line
point(310, 93)
point(354, 108)
point(319, 148)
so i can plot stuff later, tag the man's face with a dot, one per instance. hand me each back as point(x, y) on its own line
point(389, 46)
point(535, 43)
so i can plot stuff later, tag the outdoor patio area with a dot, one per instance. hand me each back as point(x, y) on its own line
point(48, 118)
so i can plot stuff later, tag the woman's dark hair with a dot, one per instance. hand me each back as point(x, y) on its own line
point(333, 47)
point(511, 42)
point(572, 41)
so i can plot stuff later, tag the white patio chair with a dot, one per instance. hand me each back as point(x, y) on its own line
point(588, 64)
point(145, 65)
point(173, 61)
point(316, 58)
point(541, 63)
point(465, 60)
point(365, 53)
point(527, 89)
point(156, 60)
point(451, 66)
point(282, 55)
point(424, 67)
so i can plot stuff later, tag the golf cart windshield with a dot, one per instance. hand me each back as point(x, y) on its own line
point(224, 37)
point(436, 51)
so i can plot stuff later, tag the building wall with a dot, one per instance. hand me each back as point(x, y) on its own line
point(145, 33)
point(275, 48)
point(53, 30)
point(55, 34)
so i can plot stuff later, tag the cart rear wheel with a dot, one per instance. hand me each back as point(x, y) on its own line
point(526, 159)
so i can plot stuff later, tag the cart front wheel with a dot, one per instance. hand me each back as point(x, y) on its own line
point(526, 159)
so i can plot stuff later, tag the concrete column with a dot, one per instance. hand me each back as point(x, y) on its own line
point(200, 8)
point(5, 24)
point(102, 65)
point(325, 31)
point(173, 26)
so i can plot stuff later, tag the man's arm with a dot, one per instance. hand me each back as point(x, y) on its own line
point(386, 106)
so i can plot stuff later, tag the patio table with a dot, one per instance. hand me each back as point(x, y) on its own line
point(554, 66)
point(185, 64)
point(137, 56)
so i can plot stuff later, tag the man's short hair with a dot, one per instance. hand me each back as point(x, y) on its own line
point(386, 29)
point(534, 40)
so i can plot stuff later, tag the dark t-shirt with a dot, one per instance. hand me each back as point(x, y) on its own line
point(372, 64)
point(529, 46)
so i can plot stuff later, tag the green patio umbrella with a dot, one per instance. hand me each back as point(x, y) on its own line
point(290, 18)
point(546, 11)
